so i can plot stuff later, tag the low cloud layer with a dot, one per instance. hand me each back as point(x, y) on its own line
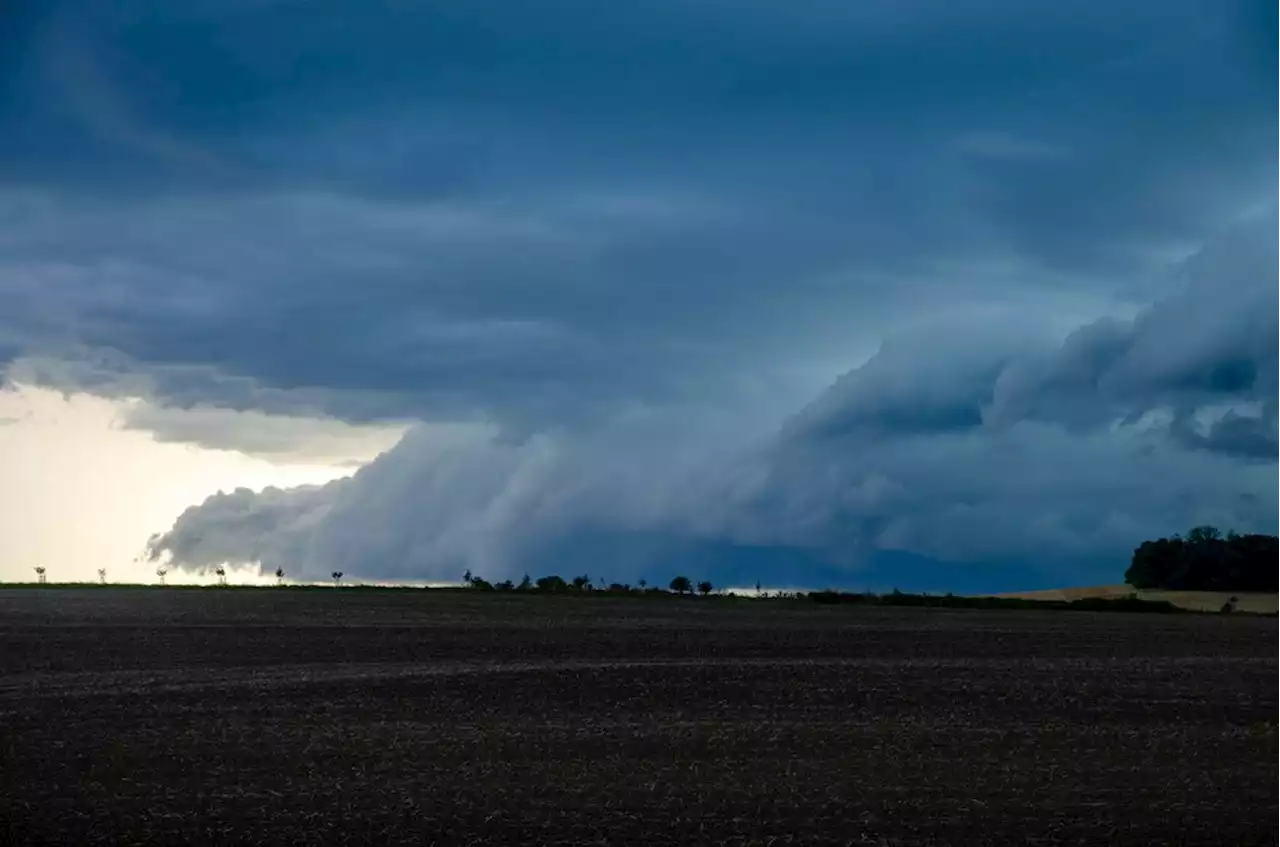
point(1003, 448)
point(609, 266)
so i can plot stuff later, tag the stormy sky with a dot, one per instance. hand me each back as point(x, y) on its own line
point(952, 296)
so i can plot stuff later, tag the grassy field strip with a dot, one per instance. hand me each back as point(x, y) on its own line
point(1200, 601)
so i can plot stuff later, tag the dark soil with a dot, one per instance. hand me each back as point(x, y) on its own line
point(419, 717)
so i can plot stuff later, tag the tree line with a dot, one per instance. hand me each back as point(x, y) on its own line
point(552, 584)
point(1206, 560)
point(583, 584)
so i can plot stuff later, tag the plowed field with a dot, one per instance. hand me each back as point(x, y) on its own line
point(420, 717)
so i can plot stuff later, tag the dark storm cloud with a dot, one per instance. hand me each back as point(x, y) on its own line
point(1211, 341)
point(1004, 450)
point(669, 175)
point(1234, 434)
point(933, 380)
point(581, 225)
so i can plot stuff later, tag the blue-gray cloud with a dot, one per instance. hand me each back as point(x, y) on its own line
point(574, 226)
point(946, 446)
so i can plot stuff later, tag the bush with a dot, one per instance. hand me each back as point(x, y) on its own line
point(552, 584)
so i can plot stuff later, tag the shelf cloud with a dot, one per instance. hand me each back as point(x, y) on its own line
point(837, 292)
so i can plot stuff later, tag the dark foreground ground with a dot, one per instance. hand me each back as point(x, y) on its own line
point(414, 717)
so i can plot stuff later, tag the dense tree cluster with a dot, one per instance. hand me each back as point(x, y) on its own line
point(1205, 560)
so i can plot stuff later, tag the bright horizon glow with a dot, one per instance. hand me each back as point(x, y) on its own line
point(84, 493)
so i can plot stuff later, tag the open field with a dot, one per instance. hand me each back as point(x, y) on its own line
point(413, 717)
point(1200, 601)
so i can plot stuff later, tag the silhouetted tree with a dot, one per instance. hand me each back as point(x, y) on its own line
point(552, 584)
point(467, 577)
point(480, 584)
point(506, 585)
point(582, 583)
point(1206, 561)
point(526, 584)
point(279, 576)
point(222, 575)
point(102, 576)
point(681, 585)
point(704, 588)
point(160, 572)
point(337, 577)
point(40, 574)
point(1204, 535)
point(643, 583)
